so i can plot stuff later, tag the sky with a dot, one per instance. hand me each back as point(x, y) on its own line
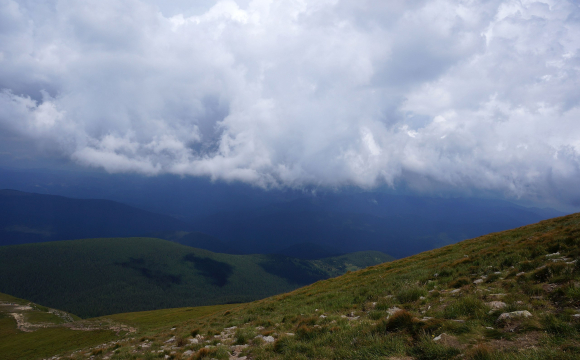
point(433, 96)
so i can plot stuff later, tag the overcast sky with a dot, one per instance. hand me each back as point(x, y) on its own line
point(430, 95)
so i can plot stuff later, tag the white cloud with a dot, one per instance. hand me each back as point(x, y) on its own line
point(470, 95)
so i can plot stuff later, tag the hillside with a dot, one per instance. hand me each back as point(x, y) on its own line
point(95, 277)
point(28, 218)
point(32, 331)
point(395, 224)
point(509, 295)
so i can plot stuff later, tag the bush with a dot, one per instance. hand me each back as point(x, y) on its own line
point(410, 295)
point(244, 335)
point(401, 320)
point(426, 349)
point(459, 282)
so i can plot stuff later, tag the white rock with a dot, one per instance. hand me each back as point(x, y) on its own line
point(188, 353)
point(269, 339)
point(170, 340)
point(495, 305)
point(515, 314)
point(554, 254)
point(194, 341)
point(439, 337)
point(393, 310)
point(478, 281)
point(456, 291)
point(520, 273)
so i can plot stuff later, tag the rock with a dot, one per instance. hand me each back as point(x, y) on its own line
point(576, 316)
point(393, 310)
point(497, 295)
point(290, 334)
point(496, 305)
point(478, 281)
point(323, 316)
point(438, 338)
point(515, 314)
point(554, 254)
point(187, 353)
point(520, 274)
point(456, 291)
point(170, 340)
point(269, 339)
point(194, 341)
point(422, 298)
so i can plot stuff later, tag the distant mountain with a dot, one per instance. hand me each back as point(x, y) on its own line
point(309, 251)
point(93, 277)
point(398, 225)
point(197, 240)
point(28, 217)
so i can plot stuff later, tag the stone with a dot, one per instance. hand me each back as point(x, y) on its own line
point(520, 274)
point(393, 310)
point(514, 314)
point(496, 305)
point(438, 338)
point(554, 254)
point(194, 341)
point(269, 339)
point(478, 281)
point(172, 339)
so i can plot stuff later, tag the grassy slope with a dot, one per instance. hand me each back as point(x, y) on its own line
point(45, 342)
point(94, 277)
point(347, 317)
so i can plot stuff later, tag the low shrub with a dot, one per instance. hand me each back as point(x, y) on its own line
point(410, 294)
point(462, 281)
point(427, 349)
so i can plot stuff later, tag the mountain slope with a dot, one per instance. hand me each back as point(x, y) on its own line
point(398, 225)
point(94, 277)
point(28, 217)
point(510, 295)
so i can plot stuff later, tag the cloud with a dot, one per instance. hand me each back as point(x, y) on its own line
point(465, 95)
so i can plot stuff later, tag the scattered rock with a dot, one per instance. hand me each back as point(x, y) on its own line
point(187, 353)
point(478, 281)
point(514, 314)
point(554, 254)
point(520, 274)
point(172, 339)
point(496, 305)
point(194, 341)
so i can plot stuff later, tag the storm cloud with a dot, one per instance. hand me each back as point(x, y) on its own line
point(467, 95)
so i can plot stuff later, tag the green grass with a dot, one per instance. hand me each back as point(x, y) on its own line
point(95, 277)
point(148, 321)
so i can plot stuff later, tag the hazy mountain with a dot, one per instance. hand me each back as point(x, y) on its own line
point(28, 217)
